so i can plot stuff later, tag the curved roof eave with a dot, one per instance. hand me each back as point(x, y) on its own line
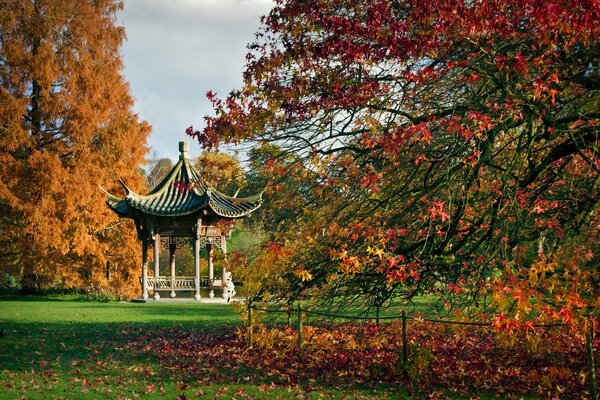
point(243, 214)
point(232, 207)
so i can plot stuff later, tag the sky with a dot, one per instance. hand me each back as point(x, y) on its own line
point(177, 50)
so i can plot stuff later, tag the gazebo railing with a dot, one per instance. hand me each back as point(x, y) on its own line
point(171, 283)
point(177, 282)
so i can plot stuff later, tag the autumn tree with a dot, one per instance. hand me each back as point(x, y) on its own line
point(67, 126)
point(266, 268)
point(456, 144)
point(284, 179)
point(222, 171)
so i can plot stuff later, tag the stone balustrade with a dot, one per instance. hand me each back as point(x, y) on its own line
point(178, 283)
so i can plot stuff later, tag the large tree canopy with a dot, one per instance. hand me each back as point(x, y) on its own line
point(456, 144)
point(66, 126)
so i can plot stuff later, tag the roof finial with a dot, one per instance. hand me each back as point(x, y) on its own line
point(183, 149)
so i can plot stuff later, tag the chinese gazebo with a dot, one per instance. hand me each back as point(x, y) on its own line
point(181, 209)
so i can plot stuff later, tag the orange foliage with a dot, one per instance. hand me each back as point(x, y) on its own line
point(67, 126)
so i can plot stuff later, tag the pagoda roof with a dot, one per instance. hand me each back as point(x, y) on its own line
point(182, 192)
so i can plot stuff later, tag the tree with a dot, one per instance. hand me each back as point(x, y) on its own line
point(221, 171)
point(283, 178)
point(286, 183)
point(67, 126)
point(456, 144)
point(158, 169)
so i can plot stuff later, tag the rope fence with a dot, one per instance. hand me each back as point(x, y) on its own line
point(404, 318)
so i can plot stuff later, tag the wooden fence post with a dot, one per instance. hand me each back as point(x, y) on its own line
point(249, 345)
point(404, 346)
point(299, 327)
point(589, 338)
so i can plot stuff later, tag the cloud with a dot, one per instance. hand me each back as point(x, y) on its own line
point(176, 51)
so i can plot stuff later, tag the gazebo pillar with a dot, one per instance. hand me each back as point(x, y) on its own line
point(211, 270)
point(156, 264)
point(197, 261)
point(144, 268)
point(224, 250)
point(172, 248)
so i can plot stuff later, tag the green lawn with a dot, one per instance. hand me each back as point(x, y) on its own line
point(55, 348)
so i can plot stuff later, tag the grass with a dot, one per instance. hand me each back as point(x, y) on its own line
point(54, 348)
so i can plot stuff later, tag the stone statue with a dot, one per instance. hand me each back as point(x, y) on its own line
point(228, 287)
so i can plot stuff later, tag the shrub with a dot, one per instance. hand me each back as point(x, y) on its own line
point(9, 284)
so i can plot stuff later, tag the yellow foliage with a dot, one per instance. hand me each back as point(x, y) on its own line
point(304, 275)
